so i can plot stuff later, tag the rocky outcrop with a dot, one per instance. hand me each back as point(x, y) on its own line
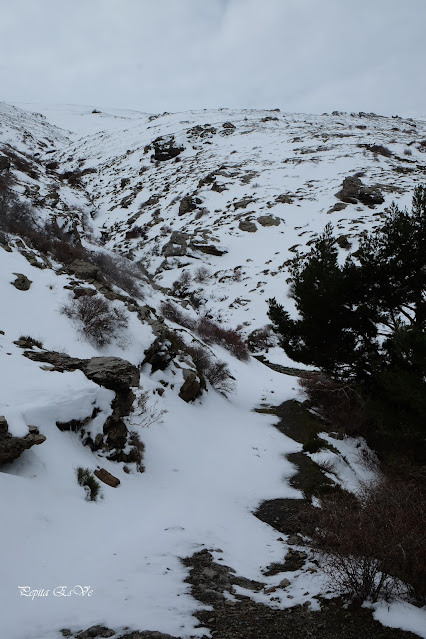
point(22, 283)
point(112, 372)
point(354, 191)
point(85, 271)
point(117, 375)
point(177, 245)
point(12, 447)
point(159, 355)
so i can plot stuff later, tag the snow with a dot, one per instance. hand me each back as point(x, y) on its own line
point(211, 463)
point(401, 615)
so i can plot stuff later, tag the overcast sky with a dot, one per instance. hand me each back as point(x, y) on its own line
point(172, 55)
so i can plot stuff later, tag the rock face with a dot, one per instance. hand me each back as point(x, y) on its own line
point(12, 447)
point(22, 283)
point(354, 191)
point(177, 245)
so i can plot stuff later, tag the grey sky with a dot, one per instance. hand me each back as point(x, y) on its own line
point(157, 55)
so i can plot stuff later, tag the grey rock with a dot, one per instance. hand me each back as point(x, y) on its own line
point(165, 148)
point(284, 583)
point(246, 225)
point(188, 204)
point(80, 291)
point(112, 372)
point(229, 125)
point(353, 191)
point(269, 220)
point(191, 387)
point(22, 283)
point(94, 632)
point(85, 270)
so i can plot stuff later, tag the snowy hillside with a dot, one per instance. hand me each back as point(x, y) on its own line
point(205, 210)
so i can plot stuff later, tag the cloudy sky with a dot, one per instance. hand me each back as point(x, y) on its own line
point(158, 55)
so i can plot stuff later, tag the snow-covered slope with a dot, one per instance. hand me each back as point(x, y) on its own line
point(259, 186)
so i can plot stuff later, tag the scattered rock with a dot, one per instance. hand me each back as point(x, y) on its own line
point(229, 126)
point(246, 225)
point(22, 283)
point(107, 478)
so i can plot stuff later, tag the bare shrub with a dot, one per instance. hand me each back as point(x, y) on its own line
point(181, 285)
point(202, 275)
point(173, 313)
point(215, 371)
point(99, 320)
point(228, 338)
point(373, 544)
point(119, 271)
point(339, 404)
point(147, 412)
point(261, 339)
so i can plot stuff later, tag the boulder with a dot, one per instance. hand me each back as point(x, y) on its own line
point(22, 283)
point(188, 204)
point(191, 387)
point(112, 372)
point(208, 249)
point(354, 191)
point(229, 126)
point(85, 270)
point(106, 477)
point(12, 447)
point(165, 148)
point(269, 220)
point(246, 225)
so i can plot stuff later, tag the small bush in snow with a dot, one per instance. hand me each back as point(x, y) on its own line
point(89, 483)
point(373, 546)
point(226, 337)
point(202, 275)
point(99, 319)
point(215, 371)
point(119, 271)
